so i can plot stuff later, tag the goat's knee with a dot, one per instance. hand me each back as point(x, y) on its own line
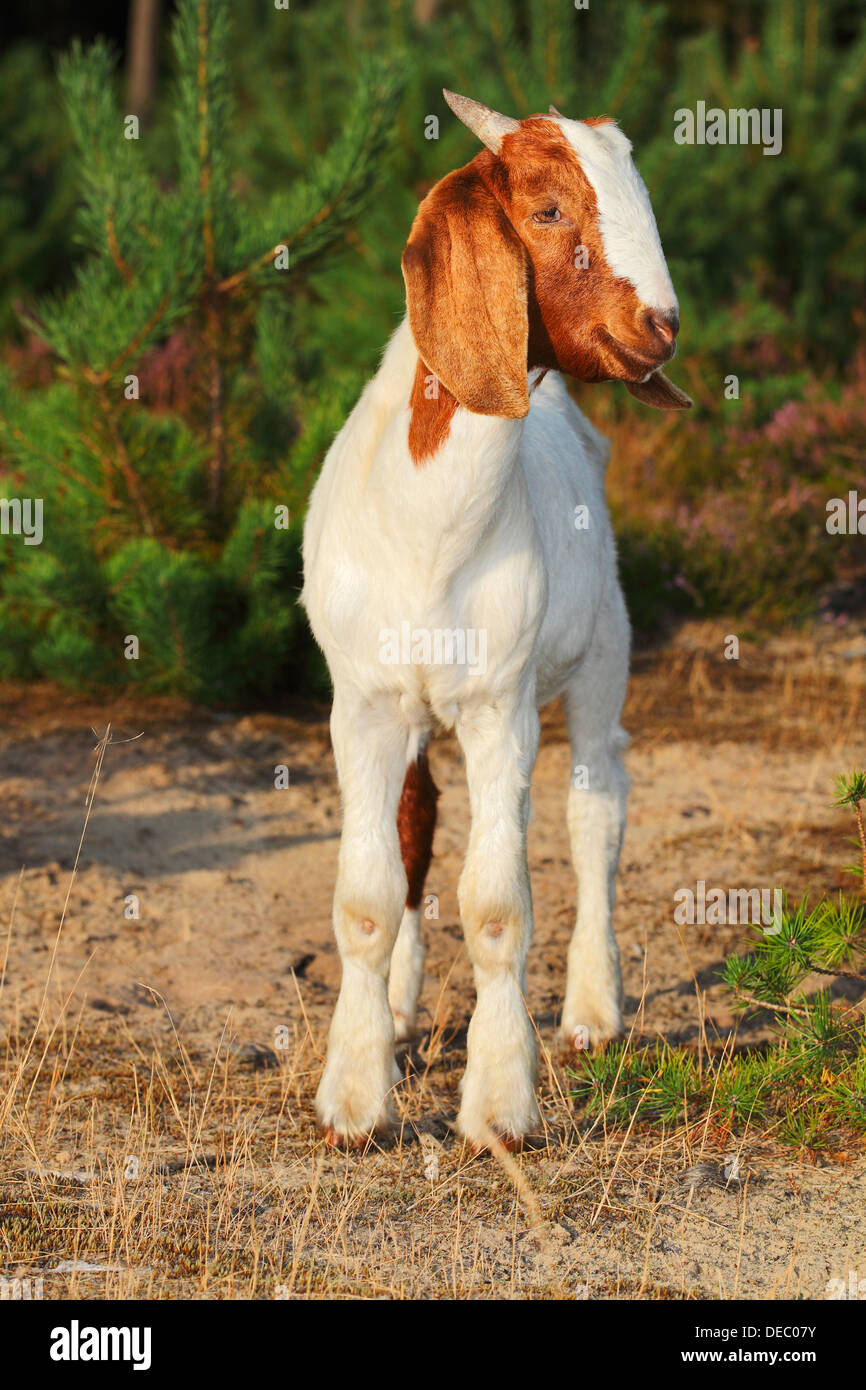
point(496, 940)
point(368, 904)
point(366, 933)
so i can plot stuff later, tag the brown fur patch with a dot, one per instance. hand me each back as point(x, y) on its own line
point(578, 312)
point(431, 415)
point(416, 821)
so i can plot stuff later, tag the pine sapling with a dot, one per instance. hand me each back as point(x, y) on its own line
point(851, 790)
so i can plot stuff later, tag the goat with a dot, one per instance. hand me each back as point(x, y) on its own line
point(448, 504)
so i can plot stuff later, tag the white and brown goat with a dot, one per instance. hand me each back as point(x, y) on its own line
point(448, 505)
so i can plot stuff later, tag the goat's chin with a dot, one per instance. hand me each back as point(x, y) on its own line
point(642, 376)
point(627, 361)
point(606, 358)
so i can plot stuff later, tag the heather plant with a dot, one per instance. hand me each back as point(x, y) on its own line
point(715, 520)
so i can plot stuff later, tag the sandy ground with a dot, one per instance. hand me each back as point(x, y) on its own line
point(732, 766)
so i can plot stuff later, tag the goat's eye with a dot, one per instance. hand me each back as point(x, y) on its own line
point(547, 215)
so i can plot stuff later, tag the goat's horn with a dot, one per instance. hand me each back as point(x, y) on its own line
point(553, 111)
point(484, 122)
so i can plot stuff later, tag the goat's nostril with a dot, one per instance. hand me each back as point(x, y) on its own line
point(665, 325)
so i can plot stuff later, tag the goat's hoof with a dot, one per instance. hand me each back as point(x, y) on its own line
point(510, 1134)
point(404, 1027)
point(502, 1140)
point(586, 1038)
point(344, 1131)
point(335, 1140)
point(511, 1143)
point(353, 1141)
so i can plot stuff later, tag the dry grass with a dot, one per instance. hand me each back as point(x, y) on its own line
point(165, 1175)
point(137, 1161)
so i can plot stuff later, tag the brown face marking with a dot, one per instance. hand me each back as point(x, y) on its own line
point(493, 289)
point(416, 821)
point(585, 320)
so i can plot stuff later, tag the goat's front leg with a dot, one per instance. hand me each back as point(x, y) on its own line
point(354, 1096)
point(500, 745)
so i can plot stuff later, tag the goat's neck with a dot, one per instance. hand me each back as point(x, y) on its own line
point(462, 487)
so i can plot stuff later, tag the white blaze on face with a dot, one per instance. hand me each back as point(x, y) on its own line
point(628, 227)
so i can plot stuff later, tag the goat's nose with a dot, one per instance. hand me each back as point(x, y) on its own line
point(665, 325)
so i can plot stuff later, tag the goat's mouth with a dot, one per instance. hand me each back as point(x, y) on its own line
point(634, 363)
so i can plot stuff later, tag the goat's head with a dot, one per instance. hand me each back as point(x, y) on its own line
point(542, 252)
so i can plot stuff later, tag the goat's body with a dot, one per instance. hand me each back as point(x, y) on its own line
point(461, 571)
point(503, 532)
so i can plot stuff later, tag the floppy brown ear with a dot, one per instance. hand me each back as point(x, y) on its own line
point(466, 290)
point(660, 392)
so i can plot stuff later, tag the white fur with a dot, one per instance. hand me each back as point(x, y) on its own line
point(407, 973)
point(482, 535)
point(629, 234)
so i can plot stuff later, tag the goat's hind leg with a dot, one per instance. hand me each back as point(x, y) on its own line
point(416, 822)
point(354, 1096)
point(598, 788)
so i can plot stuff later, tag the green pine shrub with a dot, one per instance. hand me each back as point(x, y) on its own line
point(168, 449)
point(37, 191)
point(808, 1087)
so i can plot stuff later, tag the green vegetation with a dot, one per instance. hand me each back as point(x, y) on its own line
point(808, 1088)
point(180, 526)
point(276, 129)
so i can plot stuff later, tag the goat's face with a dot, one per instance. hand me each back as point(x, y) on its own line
point(543, 252)
point(606, 308)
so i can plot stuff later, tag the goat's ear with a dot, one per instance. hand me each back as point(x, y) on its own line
point(660, 392)
point(466, 290)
